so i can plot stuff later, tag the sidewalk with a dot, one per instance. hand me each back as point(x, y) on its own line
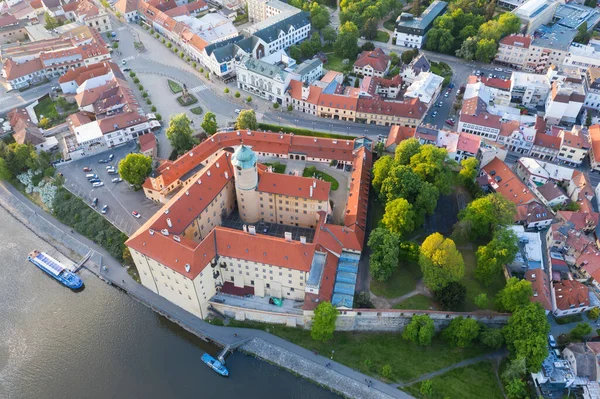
point(292, 357)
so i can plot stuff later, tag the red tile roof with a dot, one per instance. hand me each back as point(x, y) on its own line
point(594, 132)
point(468, 143)
point(517, 40)
point(412, 108)
point(398, 134)
point(541, 288)
point(338, 101)
point(547, 141)
point(505, 182)
point(508, 128)
point(575, 139)
point(8, 20)
point(376, 59)
point(147, 142)
point(13, 70)
point(294, 186)
point(571, 293)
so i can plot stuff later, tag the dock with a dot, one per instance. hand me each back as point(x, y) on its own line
point(82, 262)
point(231, 348)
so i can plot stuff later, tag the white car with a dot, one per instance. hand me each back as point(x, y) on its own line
point(104, 209)
point(123, 62)
point(135, 214)
point(117, 180)
point(237, 111)
point(498, 69)
point(98, 184)
point(109, 167)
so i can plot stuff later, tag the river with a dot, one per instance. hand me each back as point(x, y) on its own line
point(99, 343)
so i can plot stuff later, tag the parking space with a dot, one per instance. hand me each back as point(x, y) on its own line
point(234, 221)
point(120, 197)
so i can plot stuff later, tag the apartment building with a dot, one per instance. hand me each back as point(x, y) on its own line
point(565, 101)
point(372, 63)
point(583, 56)
point(545, 146)
point(535, 13)
point(574, 146)
point(530, 89)
point(592, 88)
point(263, 79)
point(12, 30)
point(594, 132)
point(87, 13)
point(513, 50)
point(412, 31)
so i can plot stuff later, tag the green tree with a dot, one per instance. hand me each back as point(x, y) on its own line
point(490, 31)
point(20, 157)
point(580, 331)
point(430, 164)
point(346, 44)
point(409, 55)
point(583, 36)
point(509, 23)
point(319, 16)
point(415, 8)
point(486, 50)
point(180, 133)
point(50, 21)
point(490, 10)
point(381, 169)
point(588, 119)
point(516, 389)
point(461, 332)
point(367, 46)
point(369, 30)
point(402, 182)
point(526, 334)
point(45, 123)
point(481, 300)
point(329, 34)
point(323, 324)
point(426, 388)
point(491, 337)
point(409, 251)
point(451, 296)
point(209, 123)
point(420, 330)
point(386, 371)
point(406, 150)
point(500, 251)
point(440, 262)
point(399, 217)
point(295, 52)
point(515, 294)
point(468, 49)
point(134, 168)
point(468, 172)
point(4, 171)
point(516, 369)
point(485, 214)
point(384, 247)
point(247, 120)
point(593, 314)
point(115, 45)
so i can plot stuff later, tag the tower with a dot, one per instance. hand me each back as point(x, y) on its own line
point(246, 183)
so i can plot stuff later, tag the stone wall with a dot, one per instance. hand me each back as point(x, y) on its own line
point(242, 314)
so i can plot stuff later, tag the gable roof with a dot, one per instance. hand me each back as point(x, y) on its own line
point(399, 133)
point(271, 33)
point(376, 59)
point(505, 182)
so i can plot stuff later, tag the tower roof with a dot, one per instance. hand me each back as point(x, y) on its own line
point(244, 157)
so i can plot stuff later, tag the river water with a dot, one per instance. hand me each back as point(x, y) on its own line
point(99, 343)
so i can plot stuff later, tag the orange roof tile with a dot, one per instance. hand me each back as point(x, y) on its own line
point(15, 70)
point(571, 293)
point(294, 186)
point(147, 142)
point(398, 134)
point(505, 182)
point(547, 141)
point(594, 132)
point(541, 287)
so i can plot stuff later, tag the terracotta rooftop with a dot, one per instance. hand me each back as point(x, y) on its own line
point(551, 191)
point(468, 143)
point(294, 186)
point(541, 287)
point(14, 71)
point(547, 141)
point(377, 59)
point(399, 133)
point(516, 40)
point(505, 182)
point(575, 139)
point(594, 132)
point(147, 142)
point(571, 293)
point(508, 128)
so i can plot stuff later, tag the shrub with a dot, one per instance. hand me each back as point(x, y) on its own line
point(153, 108)
point(148, 101)
point(132, 74)
point(201, 70)
point(276, 105)
point(136, 80)
point(141, 87)
point(249, 99)
point(158, 117)
point(175, 50)
point(187, 59)
point(157, 36)
point(290, 108)
point(194, 65)
point(163, 41)
point(386, 371)
point(207, 75)
point(169, 45)
point(594, 313)
point(226, 90)
point(181, 55)
point(368, 363)
point(237, 94)
point(145, 95)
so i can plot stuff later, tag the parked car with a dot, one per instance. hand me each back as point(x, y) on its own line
point(498, 69)
point(97, 184)
point(451, 86)
point(87, 169)
point(91, 176)
point(117, 180)
point(440, 104)
point(446, 94)
point(103, 161)
point(135, 214)
point(126, 69)
point(237, 111)
point(434, 114)
point(111, 172)
point(449, 122)
point(95, 181)
point(552, 341)
point(95, 202)
point(109, 167)
point(123, 62)
point(104, 209)
point(110, 157)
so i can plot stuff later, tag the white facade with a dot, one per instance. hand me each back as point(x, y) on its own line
point(260, 78)
point(583, 56)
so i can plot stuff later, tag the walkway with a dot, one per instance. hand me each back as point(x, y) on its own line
point(264, 345)
point(385, 303)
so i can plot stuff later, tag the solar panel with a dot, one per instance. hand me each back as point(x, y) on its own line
point(50, 264)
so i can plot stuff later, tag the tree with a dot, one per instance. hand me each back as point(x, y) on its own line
point(381, 169)
point(461, 332)
point(379, 147)
point(583, 36)
point(20, 157)
point(4, 171)
point(402, 182)
point(516, 389)
point(323, 324)
point(50, 21)
point(209, 123)
point(408, 251)
point(180, 133)
point(426, 388)
point(526, 334)
point(430, 164)
point(386, 371)
point(491, 337)
point(295, 52)
point(399, 217)
point(468, 172)
point(415, 8)
point(384, 247)
point(329, 34)
point(134, 168)
point(481, 300)
point(588, 119)
point(249, 100)
point(451, 296)
point(45, 123)
point(509, 23)
point(515, 294)
point(486, 50)
point(500, 251)
point(115, 45)
point(406, 150)
point(440, 262)
point(247, 120)
point(394, 59)
point(490, 10)
point(369, 30)
point(319, 16)
point(420, 330)
point(367, 46)
point(346, 44)
point(409, 55)
point(485, 214)
point(580, 331)
point(516, 369)
point(593, 314)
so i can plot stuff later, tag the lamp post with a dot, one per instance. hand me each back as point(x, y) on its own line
point(332, 352)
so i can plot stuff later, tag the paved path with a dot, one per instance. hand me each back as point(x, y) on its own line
point(264, 345)
point(467, 362)
point(388, 303)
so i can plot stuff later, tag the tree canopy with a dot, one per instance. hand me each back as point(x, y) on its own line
point(180, 133)
point(461, 332)
point(319, 16)
point(134, 168)
point(526, 335)
point(346, 44)
point(209, 123)
point(399, 217)
point(323, 324)
point(384, 247)
point(484, 215)
point(500, 251)
point(451, 296)
point(440, 261)
point(247, 120)
point(329, 34)
point(515, 294)
point(420, 330)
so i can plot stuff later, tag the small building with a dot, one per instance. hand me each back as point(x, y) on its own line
point(148, 145)
point(551, 194)
point(571, 297)
point(372, 63)
point(574, 146)
point(128, 9)
point(411, 31)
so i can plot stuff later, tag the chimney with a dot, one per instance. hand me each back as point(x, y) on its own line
point(252, 230)
point(169, 222)
point(151, 232)
point(314, 183)
point(303, 239)
point(164, 232)
point(176, 238)
point(187, 193)
point(311, 191)
point(208, 173)
point(288, 236)
point(245, 228)
point(226, 175)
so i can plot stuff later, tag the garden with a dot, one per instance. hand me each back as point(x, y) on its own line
point(55, 111)
point(312, 171)
point(174, 86)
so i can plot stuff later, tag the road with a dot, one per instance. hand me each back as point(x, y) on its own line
point(15, 98)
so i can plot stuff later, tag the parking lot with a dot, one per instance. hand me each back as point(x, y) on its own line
point(120, 197)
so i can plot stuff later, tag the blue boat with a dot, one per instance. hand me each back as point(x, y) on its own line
point(216, 365)
point(55, 269)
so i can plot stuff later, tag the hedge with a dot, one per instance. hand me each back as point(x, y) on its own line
point(303, 132)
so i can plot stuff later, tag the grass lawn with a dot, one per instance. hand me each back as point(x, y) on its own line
point(278, 167)
point(474, 287)
point(390, 24)
point(382, 36)
point(174, 86)
point(471, 382)
point(311, 170)
point(417, 302)
point(401, 282)
point(191, 100)
point(354, 349)
point(196, 110)
point(334, 63)
point(48, 109)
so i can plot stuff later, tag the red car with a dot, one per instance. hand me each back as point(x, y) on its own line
point(449, 122)
point(87, 169)
point(135, 214)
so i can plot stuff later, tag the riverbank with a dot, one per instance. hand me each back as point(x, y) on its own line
point(300, 361)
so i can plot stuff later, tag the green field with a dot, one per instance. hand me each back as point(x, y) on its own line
point(48, 109)
point(382, 36)
point(334, 63)
point(401, 282)
point(369, 352)
point(278, 167)
point(471, 382)
point(311, 170)
point(417, 302)
point(303, 132)
point(174, 86)
point(474, 287)
point(196, 110)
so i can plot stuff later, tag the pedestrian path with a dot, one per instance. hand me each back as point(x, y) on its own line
point(130, 58)
point(198, 89)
